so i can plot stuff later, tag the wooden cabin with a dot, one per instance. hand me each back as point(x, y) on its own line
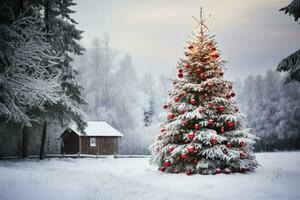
point(99, 138)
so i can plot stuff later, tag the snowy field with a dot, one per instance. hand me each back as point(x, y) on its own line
point(132, 178)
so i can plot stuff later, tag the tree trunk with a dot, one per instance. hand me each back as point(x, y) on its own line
point(24, 143)
point(44, 136)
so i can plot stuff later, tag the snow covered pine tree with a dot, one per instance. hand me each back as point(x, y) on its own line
point(203, 131)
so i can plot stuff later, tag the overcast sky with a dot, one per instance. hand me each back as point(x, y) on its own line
point(252, 35)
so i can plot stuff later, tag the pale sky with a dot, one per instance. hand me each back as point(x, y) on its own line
point(252, 35)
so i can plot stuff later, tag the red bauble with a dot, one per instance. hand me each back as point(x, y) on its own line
point(221, 108)
point(188, 66)
point(162, 130)
point(191, 135)
point(211, 104)
point(198, 71)
point(210, 122)
point(218, 171)
point(191, 47)
point(183, 156)
point(242, 154)
point(184, 123)
point(167, 163)
point(170, 149)
point(197, 126)
point(162, 169)
point(228, 96)
point(233, 94)
point(189, 172)
point(227, 171)
point(180, 75)
point(230, 86)
point(214, 141)
point(191, 149)
point(176, 99)
point(230, 124)
point(171, 115)
point(180, 71)
point(182, 111)
point(201, 110)
point(221, 73)
point(165, 106)
point(202, 76)
point(193, 101)
point(222, 130)
point(190, 73)
point(236, 109)
point(214, 49)
point(229, 145)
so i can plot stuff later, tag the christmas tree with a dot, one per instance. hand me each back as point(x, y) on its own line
point(203, 131)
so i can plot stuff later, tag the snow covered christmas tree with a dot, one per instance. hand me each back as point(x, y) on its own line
point(203, 131)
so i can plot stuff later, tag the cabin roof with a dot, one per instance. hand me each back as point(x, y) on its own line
point(97, 128)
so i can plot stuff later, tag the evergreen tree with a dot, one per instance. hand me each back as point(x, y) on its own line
point(203, 131)
point(291, 64)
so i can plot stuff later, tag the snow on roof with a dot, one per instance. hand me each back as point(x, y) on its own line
point(98, 128)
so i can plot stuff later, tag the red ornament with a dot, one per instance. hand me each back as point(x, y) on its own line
point(228, 96)
point(167, 163)
point(191, 135)
point(218, 171)
point(221, 108)
point(180, 75)
point(210, 122)
point(188, 66)
point(189, 172)
point(193, 101)
point(222, 130)
point(165, 106)
point(183, 156)
point(221, 73)
point(170, 149)
point(198, 71)
point(162, 130)
point(184, 123)
point(202, 76)
point(197, 126)
point(171, 116)
point(230, 124)
point(214, 141)
point(190, 73)
point(242, 143)
point(228, 145)
point(191, 149)
point(227, 171)
point(191, 47)
point(214, 49)
point(162, 169)
point(230, 86)
point(176, 99)
point(242, 154)
point(180, 71)
point(233, 94)
point(211, 104)
point(201, 110)
point(236, 109)
point(182, 111)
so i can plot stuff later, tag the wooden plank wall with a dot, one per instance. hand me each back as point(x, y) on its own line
point(104, 145)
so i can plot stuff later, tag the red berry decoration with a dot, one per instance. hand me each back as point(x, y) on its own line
point(218, 171)
point(191, 149)
point(165, 106)
point(230, 124)
point(202, 76)
point(188, 66)
point(189, 172)
point(214, 49)
point(229, 145)
point(167, 163)
point(180, 71)
point(176, 99)
point(191, 47)
point(228, 96)
point(242, 143)
point(233, 94)
point(222, 130)
point(221, 73)
point(191, 135)
point(211, 122)
point(221, 108)
point(162, 130)
point(171, 116)
point(211, 104)
point(193, 101)
point(162, 169)
point(214, 141)
point(198, 71)
point(182, 111)
point(170, 149)
point(183, 156)
point(230, 86)
point(184, 123)
point(197, 126)
point(236, 109)
point(201, 110)
point(180, 75)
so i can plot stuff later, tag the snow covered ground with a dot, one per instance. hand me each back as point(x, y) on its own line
point(133, 178)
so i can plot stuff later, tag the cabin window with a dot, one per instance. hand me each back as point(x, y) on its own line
point(92, 142)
